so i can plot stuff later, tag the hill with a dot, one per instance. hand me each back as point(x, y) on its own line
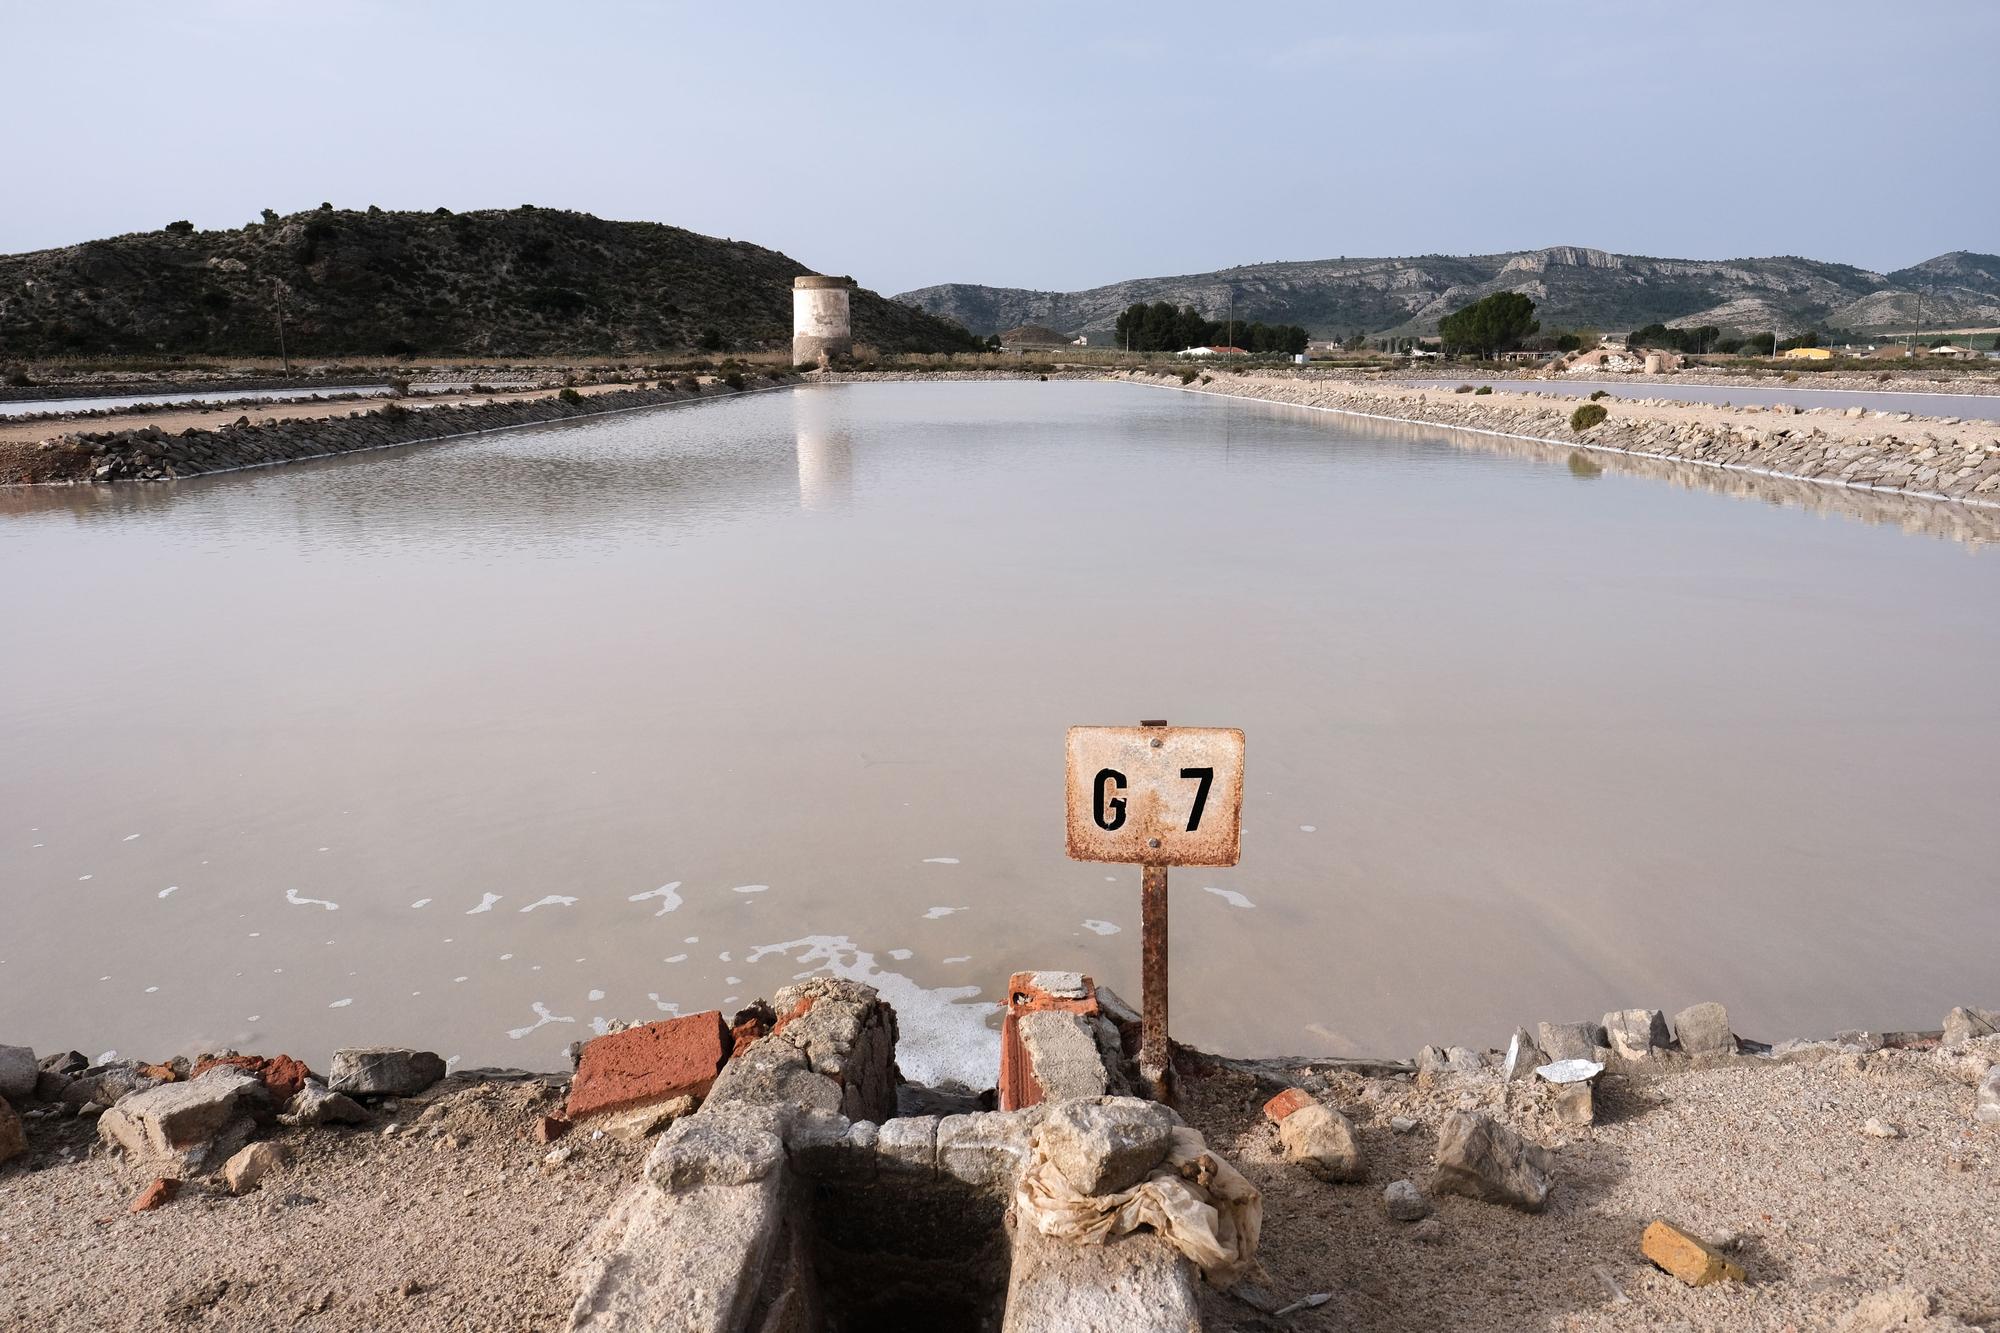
point(1572, 287)
point(500, 282)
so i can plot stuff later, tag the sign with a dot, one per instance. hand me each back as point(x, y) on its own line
point(1157, 796)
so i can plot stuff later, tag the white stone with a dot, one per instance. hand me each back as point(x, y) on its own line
point(1570, 1071)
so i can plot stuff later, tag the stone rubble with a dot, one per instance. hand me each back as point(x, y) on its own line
point(777, 1127)
point(383, 1071)
point(247, 1168)
point(1703, 1029)
point(1636, 1033)
point(1965, 1024)
point(18, 1073)
point(1404, 1202)
point(1103, 1145)
point(1322, 1140)
point(1482, 1159)
point(1986, 1109)
point(1931, 458)
point(315, 1104)
point(13, 1137)
point(719, 1232)
point(185, 1129)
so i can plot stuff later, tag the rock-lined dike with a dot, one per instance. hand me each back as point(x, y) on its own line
point(151, 454)
point(1933, 458)
point(775, 1171)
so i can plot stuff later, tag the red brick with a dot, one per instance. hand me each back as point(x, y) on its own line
point(283, 1075)
point(164, 1073)
point(744, 1033)
point(1286, 1102)
point(550, 1128)
point(1018, 1086)
point(156, 1194)
point(639, 1066)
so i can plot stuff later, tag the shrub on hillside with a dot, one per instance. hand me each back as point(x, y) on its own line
point(1586, 416)
point(734, 379)
point(1187, 377)
point(1463, 388)
point(1599, 393)
point(570, 396)
point(1484, 388)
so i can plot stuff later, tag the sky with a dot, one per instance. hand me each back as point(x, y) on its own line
point(1051, 146)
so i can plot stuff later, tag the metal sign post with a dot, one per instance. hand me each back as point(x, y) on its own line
point(1155, 796)
point(1155, 1063)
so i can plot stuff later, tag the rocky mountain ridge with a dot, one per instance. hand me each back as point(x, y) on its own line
point(1572, 286)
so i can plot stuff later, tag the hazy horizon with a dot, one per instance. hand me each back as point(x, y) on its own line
point(1046, 148)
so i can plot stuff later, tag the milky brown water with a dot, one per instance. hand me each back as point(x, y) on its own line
point(476, 746)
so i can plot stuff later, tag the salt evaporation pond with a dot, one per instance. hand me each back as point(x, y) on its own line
point(481, 745)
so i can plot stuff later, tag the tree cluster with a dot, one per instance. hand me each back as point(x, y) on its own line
point(1491, 325)
point(1697, 340)
point(1161, 327)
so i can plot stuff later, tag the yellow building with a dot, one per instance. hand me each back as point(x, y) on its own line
point(1808, 354)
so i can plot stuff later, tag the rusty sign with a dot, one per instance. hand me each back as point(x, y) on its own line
point(1155, 795)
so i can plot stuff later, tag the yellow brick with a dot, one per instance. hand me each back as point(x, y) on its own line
point(1685, 1255)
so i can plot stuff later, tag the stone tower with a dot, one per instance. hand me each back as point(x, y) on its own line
point(821, 329)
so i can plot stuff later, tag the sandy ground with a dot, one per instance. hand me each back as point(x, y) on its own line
point(359, 1232)
point(455, 1222)
point(1775, 1156)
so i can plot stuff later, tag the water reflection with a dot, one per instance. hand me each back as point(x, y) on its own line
point(825, 449)
point(1967, 525)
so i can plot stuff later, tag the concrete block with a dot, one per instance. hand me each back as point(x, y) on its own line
point(987, 1150)
point(1135, 1284)
point(691, 1260)
point(908, 1144)
point(1107, 1144)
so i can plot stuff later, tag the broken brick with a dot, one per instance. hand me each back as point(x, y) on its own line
point(1686, 1255)
point(155, 1194)
point(283, 1075)
point(550, 1128)
point(1028, 993)
point(677, 1057)
point(1286, 1102)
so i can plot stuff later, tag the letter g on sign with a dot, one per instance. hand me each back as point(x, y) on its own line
point(1112, 780)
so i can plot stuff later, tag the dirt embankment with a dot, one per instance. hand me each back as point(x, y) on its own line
point(1831, 1173)
point(1928, 457)
point(170, 444)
